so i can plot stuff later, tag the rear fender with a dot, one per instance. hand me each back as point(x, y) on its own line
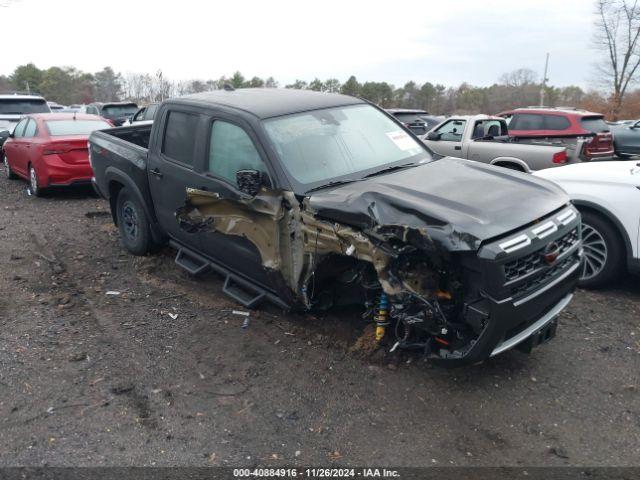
point(114, 175)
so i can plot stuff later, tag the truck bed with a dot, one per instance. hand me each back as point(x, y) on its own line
point(119, 156)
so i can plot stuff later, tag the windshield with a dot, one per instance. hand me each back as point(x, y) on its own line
point(10, 106)
point(119, 110)
point(321, 146)
point(74, 127)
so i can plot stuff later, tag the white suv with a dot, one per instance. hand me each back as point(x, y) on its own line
point(608, 197)
point(14, 105)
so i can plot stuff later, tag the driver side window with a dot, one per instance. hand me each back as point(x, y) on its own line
point(452, 130)
point(230, 150)
point(140, 114)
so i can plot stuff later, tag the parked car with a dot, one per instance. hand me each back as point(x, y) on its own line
point(144, 114)
point(564, 126)
point(55, 107)
point(312, 200)
point(14, 105)
point(486, 139)
point(418, 121)
point(608, 196)
point(50, 149)
point(626, 138)
point(116, 112)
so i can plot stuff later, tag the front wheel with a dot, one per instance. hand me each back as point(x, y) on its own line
point(603, 251)
point(7, 168)
point(133, 224)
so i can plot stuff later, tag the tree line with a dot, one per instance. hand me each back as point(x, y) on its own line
point(68, 85)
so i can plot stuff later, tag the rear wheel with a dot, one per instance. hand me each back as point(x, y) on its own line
point(603, 251)
point(34, 185)
point(133, 224)
point(7, 168)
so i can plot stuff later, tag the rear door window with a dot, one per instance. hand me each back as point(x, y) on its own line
point(30, 130)
point(556, 122)
point(527, 121)
point(594, 124)
point(180, 137)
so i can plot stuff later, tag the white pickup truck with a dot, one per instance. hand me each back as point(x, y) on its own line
point(485, 138)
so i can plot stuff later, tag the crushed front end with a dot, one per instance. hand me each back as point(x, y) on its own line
point(507, 294)
point(425, 285)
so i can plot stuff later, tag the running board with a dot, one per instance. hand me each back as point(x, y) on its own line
point(243, 291)
point(191, 262)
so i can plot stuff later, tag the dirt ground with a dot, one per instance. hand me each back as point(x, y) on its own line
point(164, 373)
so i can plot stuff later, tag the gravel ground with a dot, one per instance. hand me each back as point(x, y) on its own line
point(164, 373)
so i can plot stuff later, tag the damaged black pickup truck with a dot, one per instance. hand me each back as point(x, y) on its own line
point(313, 200)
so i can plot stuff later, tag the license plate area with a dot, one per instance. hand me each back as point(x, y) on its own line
point(542, 336)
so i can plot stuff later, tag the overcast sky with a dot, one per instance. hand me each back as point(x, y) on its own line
point(445, 42)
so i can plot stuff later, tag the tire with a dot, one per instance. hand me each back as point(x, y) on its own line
point(133, 223)
point(603, 251)
point(623, 156)
point(34, 185)
point(8, 173)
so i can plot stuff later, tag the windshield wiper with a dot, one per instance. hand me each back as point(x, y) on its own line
point(332, 184)
point(391, 169)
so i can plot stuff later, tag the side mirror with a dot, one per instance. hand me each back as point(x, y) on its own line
point(433, 136)
point(4, 134)
point(249, 181)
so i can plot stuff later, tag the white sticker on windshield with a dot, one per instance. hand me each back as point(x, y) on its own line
point(402, 140)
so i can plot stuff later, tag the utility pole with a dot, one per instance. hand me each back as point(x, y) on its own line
point(544, 81)
point(28, 89)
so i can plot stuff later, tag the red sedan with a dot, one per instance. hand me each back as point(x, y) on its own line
point(50, 149)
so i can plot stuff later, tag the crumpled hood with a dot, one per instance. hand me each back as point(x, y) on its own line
point(459, 203)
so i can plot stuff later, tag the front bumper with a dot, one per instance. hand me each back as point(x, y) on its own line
point(518, 301)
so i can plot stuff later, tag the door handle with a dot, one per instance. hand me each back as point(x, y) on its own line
point(457, 148)
point(157, 173)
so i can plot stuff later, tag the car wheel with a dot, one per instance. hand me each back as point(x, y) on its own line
point(603, 251)
point(34, 186)
point(133, 224)
point(7, 168)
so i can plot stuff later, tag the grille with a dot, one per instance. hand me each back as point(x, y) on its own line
point(530, 263)
point(537, 281)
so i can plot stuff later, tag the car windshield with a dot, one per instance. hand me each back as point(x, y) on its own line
point(340, 143)
point(10, 106)
point(75, 127)
point(119, 110)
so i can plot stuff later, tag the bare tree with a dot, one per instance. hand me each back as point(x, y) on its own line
point(519, 78)
point(617, 34)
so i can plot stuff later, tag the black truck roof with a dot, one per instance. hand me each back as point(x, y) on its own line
point(269, 102)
